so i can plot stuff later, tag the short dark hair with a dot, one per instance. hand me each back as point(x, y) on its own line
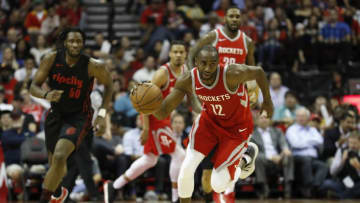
point(63, 35)
point(208, 48)
point(291, 93)
point(232, 7)
point(177, 42)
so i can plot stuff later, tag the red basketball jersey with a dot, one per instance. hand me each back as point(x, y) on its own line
point(169, 85)
point(231, 50)
point(228, 109)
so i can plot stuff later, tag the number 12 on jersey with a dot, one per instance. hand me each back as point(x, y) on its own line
point(217, 109)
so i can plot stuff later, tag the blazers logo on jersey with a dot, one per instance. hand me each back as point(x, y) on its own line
point(228, 50)
point(73, 80)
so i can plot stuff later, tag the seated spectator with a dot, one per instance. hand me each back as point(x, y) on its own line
point(40, 49)
point(178, 127)
point(22, 51)
point(26, 73)
point(51, 22)
point(31, 107)
point(156, 10)
point(336, 137)
point(123, 106)
point(345, 170)
point(72, 10)
point(269, 49)
point(220, 8)
point(103, 47)
point(274, 156)
point(335, 35)
point(174, 20)
point(147, 71)
point(4, 106)
point(8, 59)
point(286, 113)
point(305, 142)
point(212, 24)
point(8, 81)
point(35, 18)
point(277, 90)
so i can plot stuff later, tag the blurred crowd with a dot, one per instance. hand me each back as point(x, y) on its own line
point(307, 47)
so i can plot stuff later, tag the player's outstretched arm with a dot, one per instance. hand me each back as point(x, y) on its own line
point(182, 87)
point(207, 39)
point(240, 73)
point(98, 70)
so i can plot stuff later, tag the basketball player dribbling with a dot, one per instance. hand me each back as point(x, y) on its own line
point(157, 135)
point(225, 120)
point(233, 46)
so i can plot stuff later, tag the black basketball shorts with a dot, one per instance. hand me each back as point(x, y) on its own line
point(73, 127)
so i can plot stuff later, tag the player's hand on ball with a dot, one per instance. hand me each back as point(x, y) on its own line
point(144, 136)
point(54, 95)
point(100, 125)
point(146, 98)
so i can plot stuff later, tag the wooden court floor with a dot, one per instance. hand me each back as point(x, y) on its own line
point(266, 201)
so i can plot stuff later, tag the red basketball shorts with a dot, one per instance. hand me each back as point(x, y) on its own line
point(161, 138)
point(206, 134)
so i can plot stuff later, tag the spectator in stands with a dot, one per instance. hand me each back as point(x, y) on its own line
point(26, 73)
point(335, 138)
point(103, 47)
point(72, 10)
point(31, 107)
point(16, 21)
point(220, 7)
point(123, 106)
point(174, 20)
point(193, 12)
point(285, 25)
point(35, 18)
point(8, 59)
point(335, 36)
point(8, 81)
point(345, 170)
point(156, 10)
point(303, 12)
point(146, 72)
point(11, 38)
point(4, 106)
point(270, 48)
point(129, 51)
point(274, 156)
point(40, 49)
point(277, 90)
point(212, 24)
point(339, 86)
point(305, 142)
point(286, 113)
point(178, 127)
point(248, 27)
point(323, 111)
point(22, 51)
point(51, 22)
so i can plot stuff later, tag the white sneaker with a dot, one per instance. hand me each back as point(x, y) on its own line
point(250, 154)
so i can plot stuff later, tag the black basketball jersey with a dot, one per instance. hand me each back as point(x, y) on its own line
point(74, 81)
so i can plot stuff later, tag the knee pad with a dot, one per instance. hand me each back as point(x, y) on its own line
point(220, 180)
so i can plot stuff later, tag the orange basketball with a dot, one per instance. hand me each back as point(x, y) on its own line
point(146, 97)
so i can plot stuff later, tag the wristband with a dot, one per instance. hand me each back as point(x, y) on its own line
point(46, 93)
point(102, 112)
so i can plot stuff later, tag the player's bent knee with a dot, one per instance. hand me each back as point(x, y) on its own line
point(59, 158)
point(220, 180)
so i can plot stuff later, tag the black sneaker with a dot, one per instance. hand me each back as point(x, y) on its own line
point(109, 192)
point(250, 154)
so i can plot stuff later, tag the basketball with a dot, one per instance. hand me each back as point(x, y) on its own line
point(146, 97)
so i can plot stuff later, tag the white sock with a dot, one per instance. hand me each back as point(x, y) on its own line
point(174, 195)
point(119, 182)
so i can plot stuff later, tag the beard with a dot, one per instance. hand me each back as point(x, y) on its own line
point(72, 54)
